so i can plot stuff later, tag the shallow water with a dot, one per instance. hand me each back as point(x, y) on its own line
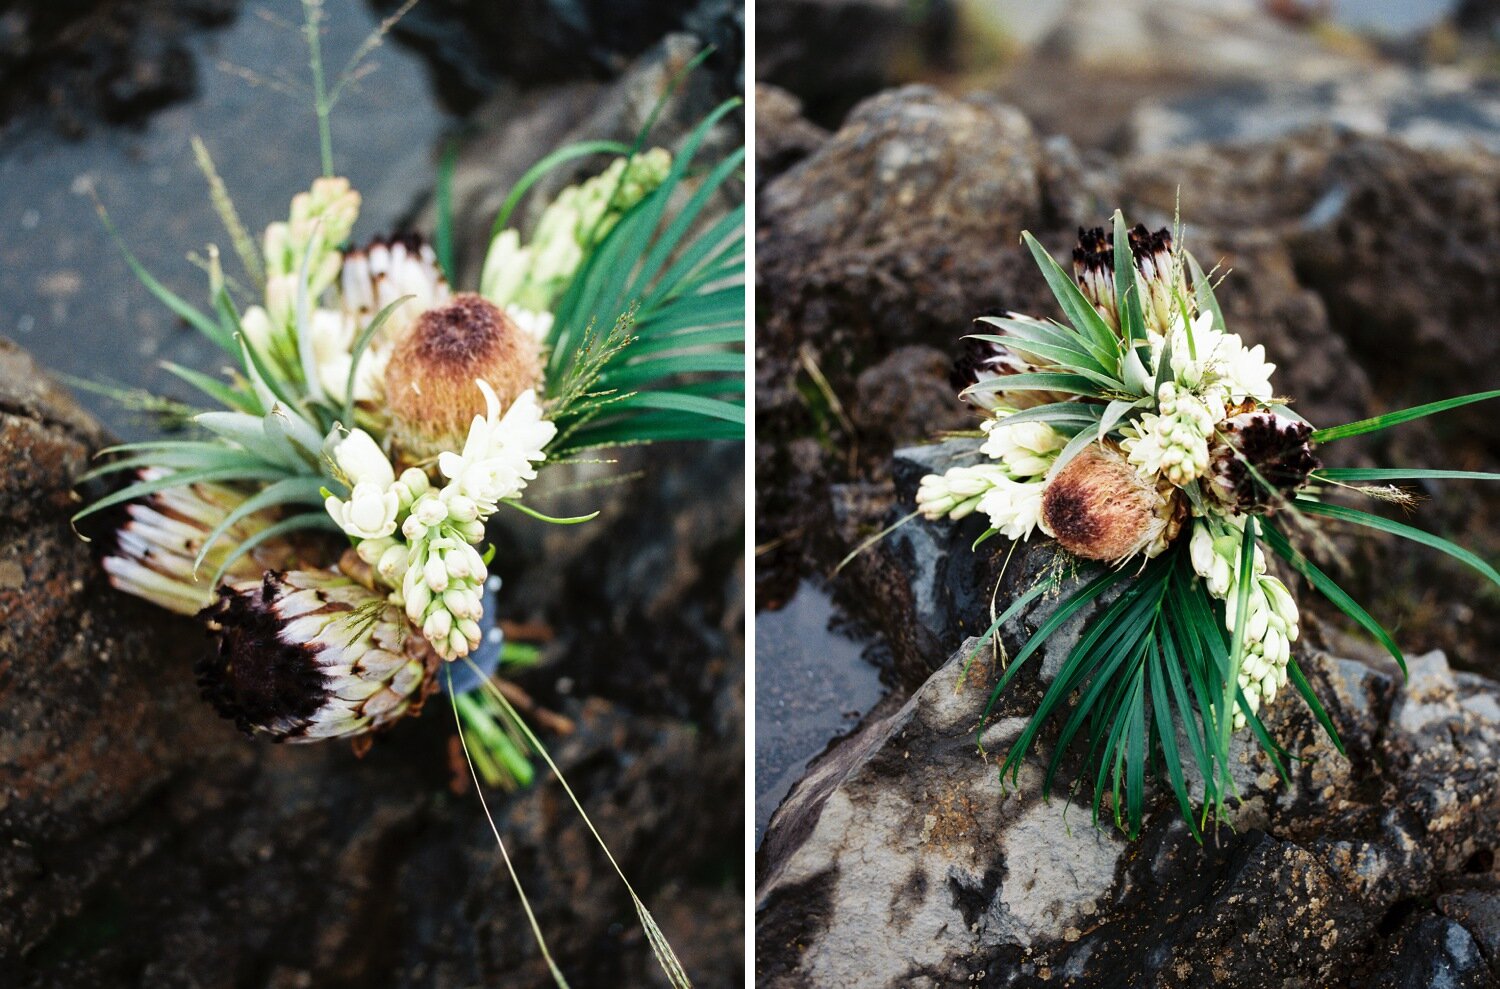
point(812, 684)
point(65, 292)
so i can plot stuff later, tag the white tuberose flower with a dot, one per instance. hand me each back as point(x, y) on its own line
point(370, 512)
point(499, 453)
point(1014, 507)
point(1213, 357)
point(1027, 449)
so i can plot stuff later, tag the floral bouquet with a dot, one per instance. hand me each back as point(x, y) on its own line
point(1149, 443)
point(328, 523)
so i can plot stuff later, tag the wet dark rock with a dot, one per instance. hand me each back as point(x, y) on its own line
point(79, 61)
point(902, 859)
point(477, 48)
point(804, 46)
point(1438, 953)
point(907, 396)
point(890, 233)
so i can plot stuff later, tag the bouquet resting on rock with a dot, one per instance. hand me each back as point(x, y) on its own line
point(1148, 442)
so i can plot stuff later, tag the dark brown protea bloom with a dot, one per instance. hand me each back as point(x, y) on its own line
point(1258, 459)
point(306, 655)
point(429, 381)
point(1159, 271)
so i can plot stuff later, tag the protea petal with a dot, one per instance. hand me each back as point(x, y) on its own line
point(163, 533)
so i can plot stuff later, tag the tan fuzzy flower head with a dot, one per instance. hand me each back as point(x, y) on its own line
point(1099, 508)
point(429, 381)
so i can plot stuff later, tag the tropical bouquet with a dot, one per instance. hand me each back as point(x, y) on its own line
point(1149, 444)
point(328, 520)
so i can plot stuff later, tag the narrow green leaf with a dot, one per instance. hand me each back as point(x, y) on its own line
point(1068, 384)
point(692, 404)
point(1085, 437)
point(166, 296)
point(293, 490)
point(361, 343)
point(1399, 474)
point(563, 155)
point(1330, 590)
point(1398, 529)
point(443, 234)
point(217, 390)
point(1380, 422)
point(1299, 680)
point(1080, 312)
point(297, 523)
point(180, 479)
point(1127, 284)
point(1203, 289)
point(555, 520)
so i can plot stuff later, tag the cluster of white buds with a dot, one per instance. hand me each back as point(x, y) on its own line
point(1027, 449)
point(433, 568)
point(1271, 619)
point(956, 492)
point(442, 577)
point(321, 220)
point(1009, 489)
point(1014, 507)
point(1174, 441)
point(1215, 364)
point(532, 277)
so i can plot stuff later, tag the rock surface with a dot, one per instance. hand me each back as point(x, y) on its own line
point(78, 61)
point(805, 46)
point(476, 48)
point(901, 859)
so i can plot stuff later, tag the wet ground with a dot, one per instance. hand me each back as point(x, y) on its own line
point(67, 295)
point(813, 682)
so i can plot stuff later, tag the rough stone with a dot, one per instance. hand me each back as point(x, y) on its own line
point(1310, 234)
point(988, 878)
point(804, 46)
point(782, 136)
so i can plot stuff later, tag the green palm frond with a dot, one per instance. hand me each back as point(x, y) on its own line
point(677, 284)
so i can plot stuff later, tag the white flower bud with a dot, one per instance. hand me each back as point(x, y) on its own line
point(435, 573)
point(418, 597)
point(437, 626)
point(392, 563)
point(371, 550)
point(363, 462)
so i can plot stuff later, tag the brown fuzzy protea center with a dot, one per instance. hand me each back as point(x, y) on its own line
point(1099, 508)
point(254, 677)
point(430, 378)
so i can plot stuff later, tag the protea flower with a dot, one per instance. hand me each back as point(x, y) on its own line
point(1099, 507)
point(387, 269)
point(305, 655)
point(1258, 459)
point(157, 545)
point(989, 360)
point(1159, 274)
point(429, 382)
